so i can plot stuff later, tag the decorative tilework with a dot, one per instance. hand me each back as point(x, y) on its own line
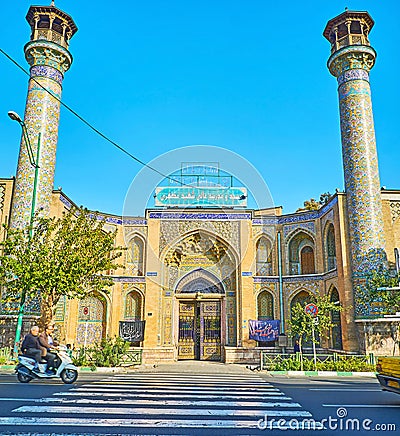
point(123, 279)
point(353, 75)
point(44, 71)
point(48, 54)
point(289, 229)
point(361, 171)
point(41, 117)
point(298, 217)
point(2, 195)
point(395, 210)
point(199, 216)
point(351, 66)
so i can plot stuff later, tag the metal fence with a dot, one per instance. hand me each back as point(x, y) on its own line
point(305, 361)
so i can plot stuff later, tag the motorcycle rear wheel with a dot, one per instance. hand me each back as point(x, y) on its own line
point(68, 376)
point(23, 378)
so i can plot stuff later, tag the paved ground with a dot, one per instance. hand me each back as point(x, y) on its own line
point(196, 398)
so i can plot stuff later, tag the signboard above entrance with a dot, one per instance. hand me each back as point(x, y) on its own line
point(199, 184)
point(200, 196)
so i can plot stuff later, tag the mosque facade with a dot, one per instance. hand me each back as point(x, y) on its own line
point(198, 275)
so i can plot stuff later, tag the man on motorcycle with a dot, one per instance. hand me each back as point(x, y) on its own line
point(47, 342)
point(31, 346)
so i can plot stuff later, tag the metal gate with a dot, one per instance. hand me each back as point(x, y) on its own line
point(199, 330)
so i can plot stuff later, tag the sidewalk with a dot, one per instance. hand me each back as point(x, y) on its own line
point(204, 367)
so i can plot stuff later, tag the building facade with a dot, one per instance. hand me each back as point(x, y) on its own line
point(197, 276)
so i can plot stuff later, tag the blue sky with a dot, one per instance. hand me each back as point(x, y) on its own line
point(248, 76)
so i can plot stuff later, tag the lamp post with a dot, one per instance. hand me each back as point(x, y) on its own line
point(35, 164)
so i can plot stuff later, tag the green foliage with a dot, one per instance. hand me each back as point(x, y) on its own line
point(301, 323)
point(313, 204)
point(327, 363)
point(109, 353)
point(63, 256)
point(388, 300)
point(5, 356)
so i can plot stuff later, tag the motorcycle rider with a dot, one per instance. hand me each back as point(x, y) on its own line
point(46, 341)
point(31, 346)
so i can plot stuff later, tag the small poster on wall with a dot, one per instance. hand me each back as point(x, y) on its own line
point(264, 331)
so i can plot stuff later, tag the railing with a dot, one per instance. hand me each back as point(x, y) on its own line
point(87, 357)
point(323, 362)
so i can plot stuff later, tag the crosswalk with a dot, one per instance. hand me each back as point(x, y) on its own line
point(165, 400)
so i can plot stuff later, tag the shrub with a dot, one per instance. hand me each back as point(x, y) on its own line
point(5, 356)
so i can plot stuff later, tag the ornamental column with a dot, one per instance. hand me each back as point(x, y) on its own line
point(48, 56)
point(351, 60)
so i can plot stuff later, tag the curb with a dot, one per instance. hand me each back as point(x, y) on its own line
point(322, 373)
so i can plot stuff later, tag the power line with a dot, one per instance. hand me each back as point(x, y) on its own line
point(88, 124)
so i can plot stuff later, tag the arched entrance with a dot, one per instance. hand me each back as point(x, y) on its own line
point(91, 320)
point(200, 303)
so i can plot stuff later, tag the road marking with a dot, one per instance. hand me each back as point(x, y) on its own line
point(361, 405)
point(160, 411)
point(345, 389)
point(123, 394)
point(126, 422)
point(191, 387)
point(174, 390)
point(168, 402)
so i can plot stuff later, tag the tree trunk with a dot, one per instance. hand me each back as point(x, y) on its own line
point(46, 315)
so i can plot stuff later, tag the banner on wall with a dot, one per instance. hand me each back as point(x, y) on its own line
point(132, 331)
point(264, 331)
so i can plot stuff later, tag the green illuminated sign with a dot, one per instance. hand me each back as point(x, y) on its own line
point(200, 196)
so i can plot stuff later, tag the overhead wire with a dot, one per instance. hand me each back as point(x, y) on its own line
point(93, 128)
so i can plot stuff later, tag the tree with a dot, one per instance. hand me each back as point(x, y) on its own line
point(313, 204)
point(388, 301)
point(67, 256)
point(301, 323)
point(381, 302)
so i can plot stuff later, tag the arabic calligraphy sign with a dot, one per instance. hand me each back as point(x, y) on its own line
point(132, 331)
point(200, 196)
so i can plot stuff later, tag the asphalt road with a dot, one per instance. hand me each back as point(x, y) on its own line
point(199, 403)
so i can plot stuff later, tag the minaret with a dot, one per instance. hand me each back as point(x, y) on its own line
point(351, 60)
point(48, 56)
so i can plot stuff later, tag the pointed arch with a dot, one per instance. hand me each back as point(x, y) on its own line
point(336, 333)
point(301, 254)
point(92, 315)
point(303, 297)
point(133, 306)
point(329, 247)
point(199, 280)
point(265, 305)
point(263, 256)
point(136, 255)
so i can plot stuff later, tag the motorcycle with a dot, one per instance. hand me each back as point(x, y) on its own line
point(64, 368)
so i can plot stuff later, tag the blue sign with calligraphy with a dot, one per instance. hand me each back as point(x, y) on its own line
point(264, 331)
point(200, 196)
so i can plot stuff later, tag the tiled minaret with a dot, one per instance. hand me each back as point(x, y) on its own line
point(48, 56)
point(351, 60)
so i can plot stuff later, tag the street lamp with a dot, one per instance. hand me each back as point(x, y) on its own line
point(35, 164)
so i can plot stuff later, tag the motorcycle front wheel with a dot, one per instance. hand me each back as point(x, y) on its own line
point(68, 376)
point(23, 378)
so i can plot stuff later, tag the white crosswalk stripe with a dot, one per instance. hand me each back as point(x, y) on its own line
point(155, 400)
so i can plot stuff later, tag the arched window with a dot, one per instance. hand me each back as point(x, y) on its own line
point(337, 328)
point(264, 257)
point(330, 248)
point(91, 320)
point(301, 254)
point(133, 306)
point(265, 306)
point(307, 260)
point(301, 297)
point(136, 255)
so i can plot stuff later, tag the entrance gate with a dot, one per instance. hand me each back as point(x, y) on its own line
point(199, 330)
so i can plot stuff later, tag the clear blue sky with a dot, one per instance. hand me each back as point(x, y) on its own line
point(249, 76)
